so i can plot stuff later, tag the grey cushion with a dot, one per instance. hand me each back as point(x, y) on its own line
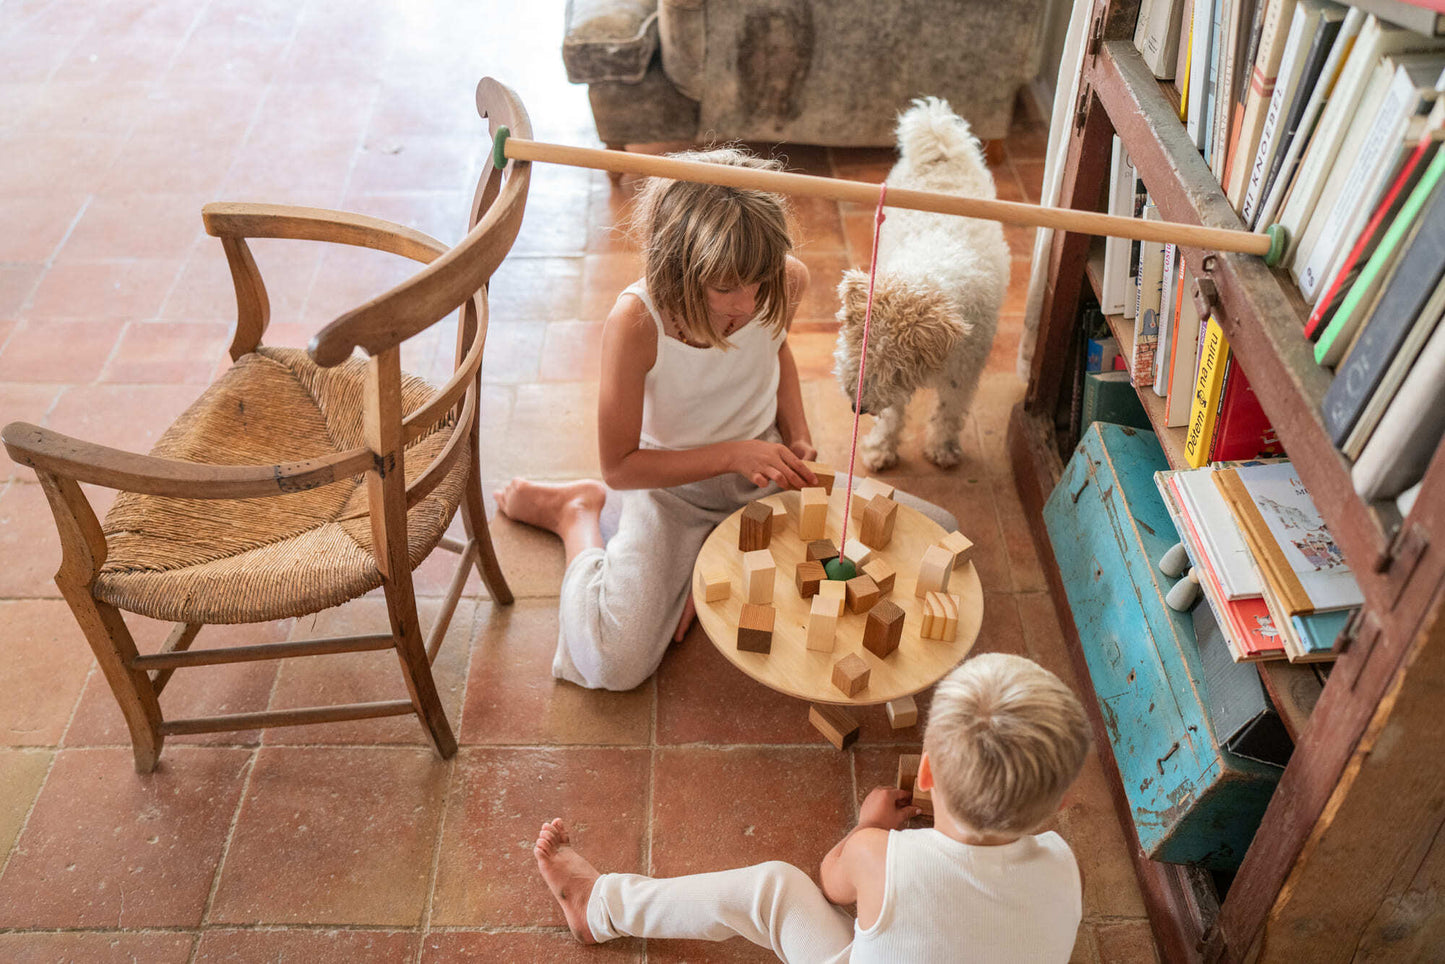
point(609, 40)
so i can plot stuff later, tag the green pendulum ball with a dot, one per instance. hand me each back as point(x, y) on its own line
point(840, 569)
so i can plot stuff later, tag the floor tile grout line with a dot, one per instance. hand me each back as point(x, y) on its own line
point(252, 761)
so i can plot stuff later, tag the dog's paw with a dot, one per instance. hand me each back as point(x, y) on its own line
point(878, 458)
point(945, 453)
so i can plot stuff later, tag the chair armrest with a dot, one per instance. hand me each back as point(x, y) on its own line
point(233, 219)
point(71, 458)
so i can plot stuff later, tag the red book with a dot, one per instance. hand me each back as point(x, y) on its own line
point(1242, 431)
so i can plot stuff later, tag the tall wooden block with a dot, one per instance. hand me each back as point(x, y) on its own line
point(850, 674)
point(808, 575)
point(756, 528)
point(780, 516)
point(929, 627)
point(908, 764)
point(825, 474)
point(715, 585)
point(881, 573)
point(863, 492)
point(940, 617)
point(857, 553)
point(833, 589)
point(835, 723)
point(812, 514)
point(902, 712)
point(862, 593)
point(821, 550)
point(959, 546)
point(883, 629)
point(950, 616)
point(755, 628)
point(758, 572)
point(876, 526)
point(823, 623)
point(933, 571)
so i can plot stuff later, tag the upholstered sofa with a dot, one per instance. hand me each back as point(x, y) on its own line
point(832, 72)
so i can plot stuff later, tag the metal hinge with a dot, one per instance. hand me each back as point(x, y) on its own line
point(1096, 37)
point(1206, 297)
point(1403, 555)
point(1081, 108)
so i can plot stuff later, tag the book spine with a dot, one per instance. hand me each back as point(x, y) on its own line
point(1243, 430)
point(1261, 89)
point(1146, 323)
point(1195, 122)
point(1207, 389)
point(1223, 100)
point(1293, 45)
point(1166, 321)
point(1396, 455)
point(1321, 47)
point(1182, 358)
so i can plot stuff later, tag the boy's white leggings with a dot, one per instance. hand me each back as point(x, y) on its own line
point(773, 904)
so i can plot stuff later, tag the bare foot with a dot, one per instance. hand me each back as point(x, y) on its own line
point(568, 875)
point(551, 505)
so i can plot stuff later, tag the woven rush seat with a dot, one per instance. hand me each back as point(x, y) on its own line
point(248, 560)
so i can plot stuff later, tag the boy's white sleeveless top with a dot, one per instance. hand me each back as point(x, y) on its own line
point(698, 396)
point(950, 901)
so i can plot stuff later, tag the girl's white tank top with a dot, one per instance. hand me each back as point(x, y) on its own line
point(697, 396)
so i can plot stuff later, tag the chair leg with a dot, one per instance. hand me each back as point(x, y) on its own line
point(474, 517)
point(415, 667)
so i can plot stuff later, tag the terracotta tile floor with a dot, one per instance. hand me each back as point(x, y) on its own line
point(352, 842)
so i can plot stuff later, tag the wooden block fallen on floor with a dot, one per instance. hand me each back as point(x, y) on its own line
point(933, 570)
point(902, 712)
point(808, 576)
point(875, 529)
point(823, 623)
point(716, 586)
point(758, 572)
point(756, 528)
point(883, 629)
point(850, 674)
point(825, 474)
point(821, 550)
point(755, 628)
point(959, 546)
point(812, 514)
point(862, 593)
point(881, 573)
point(835, 723)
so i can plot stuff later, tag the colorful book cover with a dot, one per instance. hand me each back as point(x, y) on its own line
point(1241, 430)
point(1220, 541)
point(1208, 385)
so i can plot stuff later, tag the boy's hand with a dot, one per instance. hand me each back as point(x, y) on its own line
point(887, 808)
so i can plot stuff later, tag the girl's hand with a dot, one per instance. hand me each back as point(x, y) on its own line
point(887, 808)
point(804, 451)
point(764, 462)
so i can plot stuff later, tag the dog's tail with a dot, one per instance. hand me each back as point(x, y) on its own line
point(930, 132)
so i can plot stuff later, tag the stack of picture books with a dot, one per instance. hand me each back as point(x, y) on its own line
point(1277, 583)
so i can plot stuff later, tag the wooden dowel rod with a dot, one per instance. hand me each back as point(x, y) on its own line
point(861, 192)
point(244, 654)
point(311, 714)
point(449, 604)
point(180, 639)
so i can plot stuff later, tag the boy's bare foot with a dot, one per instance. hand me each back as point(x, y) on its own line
point(568, 875)
point(572, 510)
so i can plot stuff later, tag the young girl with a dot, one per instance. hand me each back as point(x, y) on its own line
point(699, 412)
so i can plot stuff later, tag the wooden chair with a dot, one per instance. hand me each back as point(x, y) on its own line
point(299, 479)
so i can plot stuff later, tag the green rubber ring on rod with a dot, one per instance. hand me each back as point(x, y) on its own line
point(840, 569)
point(1278, 241)
point(499, 154)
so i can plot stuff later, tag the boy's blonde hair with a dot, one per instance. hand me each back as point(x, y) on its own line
point(695, 236)
point(1005, 739)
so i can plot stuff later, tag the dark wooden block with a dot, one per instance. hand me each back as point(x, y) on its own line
point(862, 594)
point(755, 628)
point(876, 528)
point(808, 575)
point(821, 550)
point(884, 628)
point(756, 529)
point(850, 674)
point(835, 723)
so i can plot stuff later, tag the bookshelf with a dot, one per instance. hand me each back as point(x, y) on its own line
point(1346, 861)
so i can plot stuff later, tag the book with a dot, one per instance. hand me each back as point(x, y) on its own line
point(1183, 362)
point(1416, 17)
point(1405, 501)
point(1319, 632)
point(1269, 51)
point(1167, 310)
point(1210, 120)
point(1228, 42)
point(1150, 287)
point(1409, 432)
point(1136, 250)
point(1241, 429)
point(1240, 713)
point(1156, 35)
point(1201, 32)
point(1355, 185)
point(1208, 385)
point(1116, 250)
point(1110, 397)
point(1181, 66)
point(1361, 296)
point(1297, 556)
point(1246, 36)
point(1280, 180)
point(1220, 541)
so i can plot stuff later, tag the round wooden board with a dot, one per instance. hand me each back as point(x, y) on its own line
point(791, 668)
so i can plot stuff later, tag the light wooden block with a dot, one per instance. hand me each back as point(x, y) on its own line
point(835, 723)
point(823, 624)
point(863, 492)
point(755, 628)
point(875, 527)
point(812, 514)
point(850, 674)
point(808, 576)
point(950, 617)
point(755, 530)
point(902, 712)
point(908, 764)
point(933, 571)
point(857, 553)
point(928, 630)
point(881, 573)
point(833, 589)
point(716, 586)
point(883, 629)
point(758, 572)
point(862, 593)
point(923, 800)
point(959, 546)
point(780, 517)
point(825, 474)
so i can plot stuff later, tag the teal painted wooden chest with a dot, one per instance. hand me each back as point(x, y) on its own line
point(1192, 802)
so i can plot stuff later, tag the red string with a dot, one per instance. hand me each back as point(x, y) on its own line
point(862, 360)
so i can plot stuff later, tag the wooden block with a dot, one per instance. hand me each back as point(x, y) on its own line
point(833, 589)
point(863, 492)
point(850, 674)
point(812, 514)
point(835, 723)
point(959, 546)
point(923, 800)
point(908, 764)
point(950, 617)
point(857, 553)
point(876, 527)
point(716, 586)
point(821, 550)
point(780, 516)
point(823, 623)
point(825, 475)
point(758, 572)
point(883, 629)
point(862, 593)
point(933, 570)
point(756, 528)
point(755, 628)
point(902, 712)
point(808, 576)
point(929, 629)
point(881, 573)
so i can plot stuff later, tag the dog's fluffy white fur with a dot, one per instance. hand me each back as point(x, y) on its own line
point(941, 281)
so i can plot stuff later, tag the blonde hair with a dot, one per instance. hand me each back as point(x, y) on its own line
point(695, 236)
point(1005, 738)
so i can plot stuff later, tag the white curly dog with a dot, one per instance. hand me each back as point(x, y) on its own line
point(941, 280)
